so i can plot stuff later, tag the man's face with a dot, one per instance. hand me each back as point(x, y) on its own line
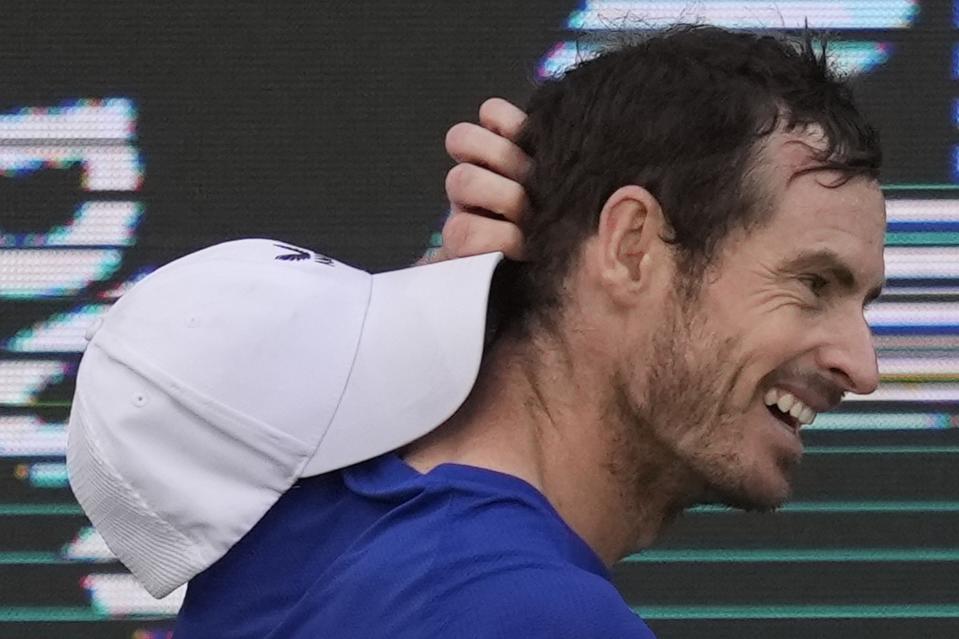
point(778, 323)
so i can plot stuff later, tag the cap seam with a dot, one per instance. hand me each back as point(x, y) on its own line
point(190, 544)
point(191, 399)
point(346, 384)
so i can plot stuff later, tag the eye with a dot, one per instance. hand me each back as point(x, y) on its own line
point(815, 283)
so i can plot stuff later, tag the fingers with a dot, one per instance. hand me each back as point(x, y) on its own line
point(473, 144)
point(471, 188)
point(487, 199)
point(502, 117)
point(470, 234)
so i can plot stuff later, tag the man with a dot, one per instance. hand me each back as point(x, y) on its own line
point(707, 231)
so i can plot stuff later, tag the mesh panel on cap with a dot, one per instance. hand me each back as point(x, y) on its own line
point(157, 554)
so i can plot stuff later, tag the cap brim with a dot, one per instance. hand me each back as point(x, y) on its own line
point(417, 359)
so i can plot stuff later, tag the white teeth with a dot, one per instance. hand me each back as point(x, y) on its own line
point(786, 401)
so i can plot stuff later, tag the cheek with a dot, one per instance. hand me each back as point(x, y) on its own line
point(693, 390)
point(766, 349)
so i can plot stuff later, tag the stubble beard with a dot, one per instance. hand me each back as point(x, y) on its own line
point(683, 420)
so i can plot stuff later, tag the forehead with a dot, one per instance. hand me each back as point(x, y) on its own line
point(812, 209)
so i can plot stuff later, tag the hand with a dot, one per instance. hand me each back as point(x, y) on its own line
point(487, 199)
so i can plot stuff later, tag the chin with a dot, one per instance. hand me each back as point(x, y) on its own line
point(763, 490)
point(764, 500)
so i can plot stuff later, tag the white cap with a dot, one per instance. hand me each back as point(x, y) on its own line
point(223, 377)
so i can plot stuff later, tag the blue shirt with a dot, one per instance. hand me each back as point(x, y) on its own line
point(379, 550)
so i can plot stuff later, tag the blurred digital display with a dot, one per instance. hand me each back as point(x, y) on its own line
point(114, 166)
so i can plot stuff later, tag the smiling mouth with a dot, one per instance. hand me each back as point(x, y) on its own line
point(788, 409)
point(785, 419)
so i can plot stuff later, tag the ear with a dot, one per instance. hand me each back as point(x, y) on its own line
point(629, 242)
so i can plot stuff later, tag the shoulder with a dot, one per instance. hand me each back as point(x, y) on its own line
point(544, 602)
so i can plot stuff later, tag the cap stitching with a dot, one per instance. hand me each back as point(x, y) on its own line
point(185, 541)
point(190, 398)
point(346, 384)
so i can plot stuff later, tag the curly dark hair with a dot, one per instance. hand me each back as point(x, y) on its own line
point(683, 113)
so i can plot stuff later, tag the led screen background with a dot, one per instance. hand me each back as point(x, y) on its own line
point(131, 134)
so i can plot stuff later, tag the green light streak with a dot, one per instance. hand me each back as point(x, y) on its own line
point(51, 614)
point(882, 450)
point(730, 555)
point(918, 238)
point(849, 507)
point(48, 475)
point(873, 506)
point(19, 558)
point(37, 404)
point(17, 510)
point(920, 187)
point(14, 558)
point(880, 421)
point(891, 611)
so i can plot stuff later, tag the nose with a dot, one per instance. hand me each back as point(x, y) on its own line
point(850, 356)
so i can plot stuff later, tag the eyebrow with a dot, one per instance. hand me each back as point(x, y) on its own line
point(825, 260)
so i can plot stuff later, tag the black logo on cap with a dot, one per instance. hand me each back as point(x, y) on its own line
point(298, 255)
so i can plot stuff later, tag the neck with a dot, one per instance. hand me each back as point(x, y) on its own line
point(550, 418)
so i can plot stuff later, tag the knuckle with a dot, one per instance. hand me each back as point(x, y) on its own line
point(456, 233)
point(457, 138)
point(489, 104)
point(458, 180)
point(513, 246)
point(491, 109)
point(502, 117)
point(512, 201)
point(516, 200)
